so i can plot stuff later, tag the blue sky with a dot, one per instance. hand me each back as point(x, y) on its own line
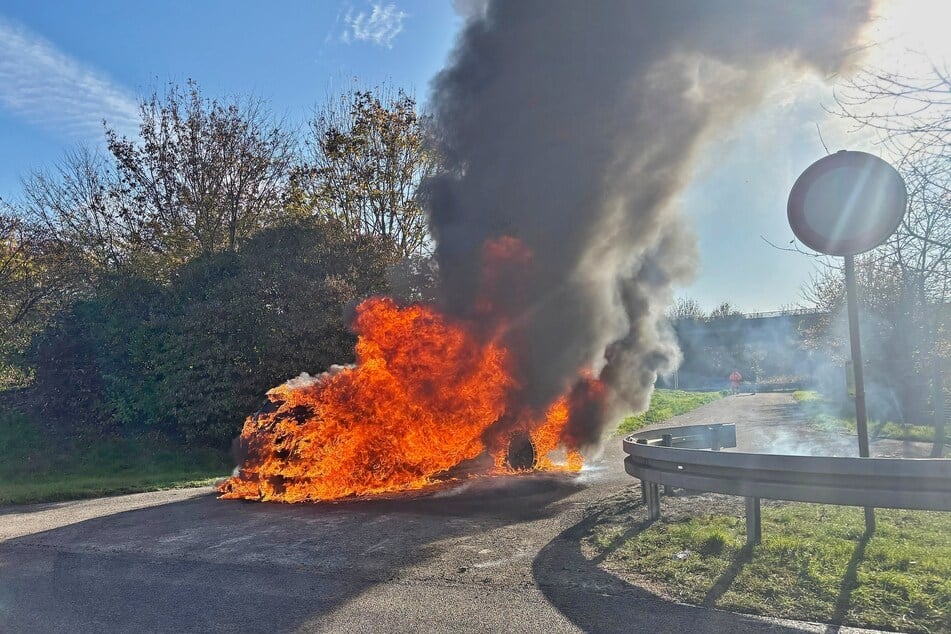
point(65, 66)
point(77, 62)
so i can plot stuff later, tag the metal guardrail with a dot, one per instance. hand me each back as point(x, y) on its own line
point(713, 436)
point(923, 484)
point(793, 312)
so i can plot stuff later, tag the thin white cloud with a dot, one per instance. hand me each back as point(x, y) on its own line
point(46, 87)
point(379, 26)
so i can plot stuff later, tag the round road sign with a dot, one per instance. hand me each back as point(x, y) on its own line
point(846, 203)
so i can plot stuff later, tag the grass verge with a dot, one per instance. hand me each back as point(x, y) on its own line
point(78, 486)
point(829, 416)
point(813, 564)
point(34, 470)
point(666, 404)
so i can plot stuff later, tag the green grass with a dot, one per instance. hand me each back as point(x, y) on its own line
point(63, 487)
point(32, 469)
point(666, 404)
point(829, 416)
point(811, 565)
point(806, 396)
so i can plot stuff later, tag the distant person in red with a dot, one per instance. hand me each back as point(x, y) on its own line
point(735, 378)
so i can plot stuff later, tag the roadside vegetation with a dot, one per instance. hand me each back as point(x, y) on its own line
point(666, 404)
point(33, 468)
point(829, 415)
point(813, 563)
point(144, 314)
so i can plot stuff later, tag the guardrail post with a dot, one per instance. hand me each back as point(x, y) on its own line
point(754, 524)
point(653, 501)
point(667, 440)
point(642, 441)
point(869, 521)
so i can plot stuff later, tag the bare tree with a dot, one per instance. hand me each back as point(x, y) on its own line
point(685, 308)
point(75, 204)
point(725, 310)
point(907, 279)
point(912, 116)
point(367, 156)
point(204, 174)
point(912, 113)
point(33, 279)
point(14, 258)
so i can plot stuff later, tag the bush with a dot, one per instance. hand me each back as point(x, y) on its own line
point(19, 437)
point(192, 359)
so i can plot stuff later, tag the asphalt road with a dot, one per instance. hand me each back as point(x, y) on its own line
point(488, 555)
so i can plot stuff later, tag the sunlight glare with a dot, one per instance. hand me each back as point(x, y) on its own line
point(912, 32)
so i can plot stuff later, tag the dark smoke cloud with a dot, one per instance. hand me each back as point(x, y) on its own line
point(572, 126)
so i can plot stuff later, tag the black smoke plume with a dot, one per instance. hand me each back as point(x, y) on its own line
point(572, 126)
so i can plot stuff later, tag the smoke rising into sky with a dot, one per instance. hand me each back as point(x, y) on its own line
point(573, 127)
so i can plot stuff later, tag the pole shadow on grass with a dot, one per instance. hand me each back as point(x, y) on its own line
point(721, 585)
point(849, 583)
point(595, 600)
point(621, 539)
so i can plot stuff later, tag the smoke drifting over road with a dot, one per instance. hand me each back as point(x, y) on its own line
point(572, 126)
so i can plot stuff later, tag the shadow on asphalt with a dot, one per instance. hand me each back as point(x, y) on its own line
point(209, 565)
point(34, 507)
point(597, 601)
point(782, 414)
point(507, 499)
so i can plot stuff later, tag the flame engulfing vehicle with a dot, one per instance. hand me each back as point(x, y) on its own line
point(425, 396)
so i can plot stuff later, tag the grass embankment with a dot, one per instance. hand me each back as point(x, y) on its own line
point(666, 404)
point(829, 416)
point(32, 469)
point(813, 564)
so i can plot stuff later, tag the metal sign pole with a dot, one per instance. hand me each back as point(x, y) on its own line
point(861, 416)
point(843, 204)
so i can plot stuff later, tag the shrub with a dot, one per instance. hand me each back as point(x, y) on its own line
point(192, 359)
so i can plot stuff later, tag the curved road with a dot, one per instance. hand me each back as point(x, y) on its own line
point(489, 555)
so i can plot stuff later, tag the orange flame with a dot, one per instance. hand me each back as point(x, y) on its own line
point(423, 397)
